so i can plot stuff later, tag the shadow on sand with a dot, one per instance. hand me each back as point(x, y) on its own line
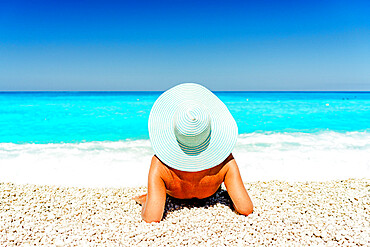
point(173, 204)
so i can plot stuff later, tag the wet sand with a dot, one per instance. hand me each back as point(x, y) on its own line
point(332, 213)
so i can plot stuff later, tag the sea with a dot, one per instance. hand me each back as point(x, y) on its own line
point(100, 139)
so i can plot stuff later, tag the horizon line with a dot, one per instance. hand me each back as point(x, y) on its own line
point(228, 91)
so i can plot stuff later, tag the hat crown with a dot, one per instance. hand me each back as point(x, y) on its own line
point(192, 125)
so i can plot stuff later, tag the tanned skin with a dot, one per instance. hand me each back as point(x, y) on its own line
point(164, 180)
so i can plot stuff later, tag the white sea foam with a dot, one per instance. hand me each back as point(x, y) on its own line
point(304, 157)
point(283, 156)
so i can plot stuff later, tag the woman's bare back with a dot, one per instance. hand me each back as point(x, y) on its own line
point(164, 180)
point(187, 185)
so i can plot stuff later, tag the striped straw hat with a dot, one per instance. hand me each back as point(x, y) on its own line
point(190, 129)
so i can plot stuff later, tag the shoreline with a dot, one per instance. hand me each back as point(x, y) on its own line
point(260, 157)
point(329, 213)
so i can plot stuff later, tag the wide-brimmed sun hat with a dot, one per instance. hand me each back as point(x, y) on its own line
point(191, 129)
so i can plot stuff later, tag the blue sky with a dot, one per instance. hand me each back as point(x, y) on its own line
point(224, 45)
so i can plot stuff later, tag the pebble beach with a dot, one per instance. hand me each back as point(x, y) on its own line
point(331, 213)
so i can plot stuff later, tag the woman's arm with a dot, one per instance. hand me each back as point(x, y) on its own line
point(235, 187)
point(153, 206)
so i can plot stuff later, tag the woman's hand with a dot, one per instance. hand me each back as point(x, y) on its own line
point(140, 199)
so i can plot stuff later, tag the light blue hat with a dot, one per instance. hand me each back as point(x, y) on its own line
point(190, 129)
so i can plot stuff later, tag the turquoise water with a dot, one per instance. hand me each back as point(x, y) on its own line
point(74, 117)
point(101, 138)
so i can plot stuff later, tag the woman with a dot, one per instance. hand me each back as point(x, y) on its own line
point(192, 133)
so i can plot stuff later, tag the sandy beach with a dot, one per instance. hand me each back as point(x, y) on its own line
point(332, 213)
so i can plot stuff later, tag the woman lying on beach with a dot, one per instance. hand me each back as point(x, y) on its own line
point(192, 133)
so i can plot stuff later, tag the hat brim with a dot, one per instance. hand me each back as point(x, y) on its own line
point(224, 130)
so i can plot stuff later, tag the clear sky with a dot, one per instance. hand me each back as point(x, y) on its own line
point(224, 45)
